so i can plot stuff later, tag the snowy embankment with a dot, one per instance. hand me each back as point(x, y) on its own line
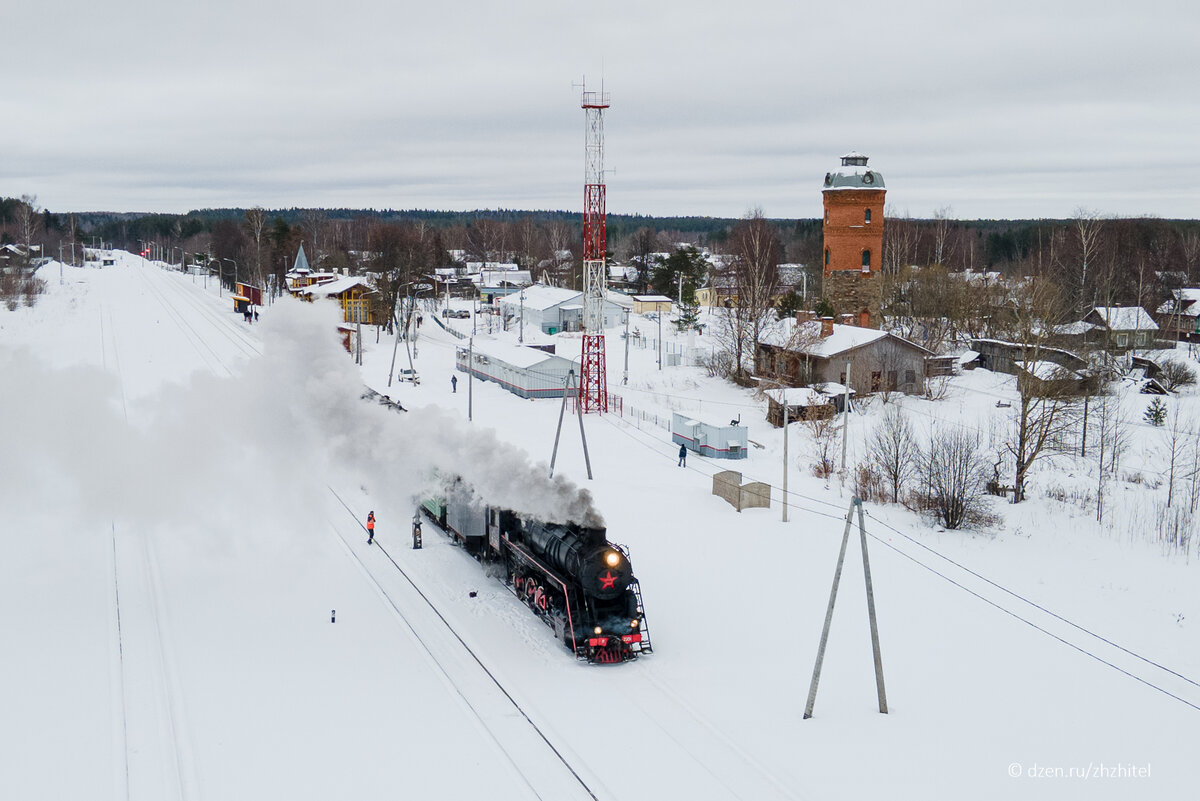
point(159, 449)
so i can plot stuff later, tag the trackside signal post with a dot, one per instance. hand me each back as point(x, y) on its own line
point(837, 577)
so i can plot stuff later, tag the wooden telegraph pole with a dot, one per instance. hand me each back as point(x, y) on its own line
point(837, 577)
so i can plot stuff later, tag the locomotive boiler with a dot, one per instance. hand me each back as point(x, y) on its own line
point(571, 576)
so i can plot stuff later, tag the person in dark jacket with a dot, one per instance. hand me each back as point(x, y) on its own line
point(683, 455)
point(454, 384)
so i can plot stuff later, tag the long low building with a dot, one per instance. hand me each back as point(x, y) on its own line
point(523, 371)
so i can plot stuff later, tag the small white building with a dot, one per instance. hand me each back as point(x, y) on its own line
point(524, 371)
point(553, 310)
point(706, 439)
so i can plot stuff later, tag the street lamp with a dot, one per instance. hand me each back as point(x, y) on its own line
point(234, 271)
point(521, 338)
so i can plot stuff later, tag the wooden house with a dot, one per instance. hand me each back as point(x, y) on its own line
point(353, 294)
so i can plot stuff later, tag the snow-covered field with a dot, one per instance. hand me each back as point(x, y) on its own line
point(181, 498)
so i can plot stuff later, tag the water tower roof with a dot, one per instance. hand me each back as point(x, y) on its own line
point(853, 174)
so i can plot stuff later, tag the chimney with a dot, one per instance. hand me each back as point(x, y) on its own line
point(804, 316)
point(848, 319)
point(826, 327)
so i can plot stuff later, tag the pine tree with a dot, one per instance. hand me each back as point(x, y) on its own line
point(1156, 412)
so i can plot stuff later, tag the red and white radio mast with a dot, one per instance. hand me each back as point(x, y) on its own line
point(593, 385)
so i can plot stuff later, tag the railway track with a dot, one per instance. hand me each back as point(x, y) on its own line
point(146, 701)
point(547, 768)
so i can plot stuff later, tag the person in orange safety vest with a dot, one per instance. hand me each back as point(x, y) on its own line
point(371, 528)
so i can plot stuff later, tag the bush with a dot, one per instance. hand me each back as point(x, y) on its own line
point(957, 475)
point(1176, 374)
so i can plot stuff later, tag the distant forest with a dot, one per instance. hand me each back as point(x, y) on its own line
point(1147, 247)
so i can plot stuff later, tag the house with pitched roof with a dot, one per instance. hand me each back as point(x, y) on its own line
point(802, 351)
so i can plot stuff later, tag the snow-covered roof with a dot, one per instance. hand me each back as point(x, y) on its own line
point(496, 278)
point(806, 337)
point(831, 388)
point(619, 298)
point(1184, 302)
point(853, 173)
point(652, 299)
point(1046, 370)
point(540, 297)
point(334, 287)
point(301, 262)
point(484, 266)
point(798, 396)
point(518, 356)
point(1126, 318)
point(1077, 328)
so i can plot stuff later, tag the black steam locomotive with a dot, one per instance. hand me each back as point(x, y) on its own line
point(571, 576)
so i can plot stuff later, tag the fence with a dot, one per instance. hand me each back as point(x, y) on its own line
point(456, 334)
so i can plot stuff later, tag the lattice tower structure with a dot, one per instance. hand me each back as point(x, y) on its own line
point(593, 384)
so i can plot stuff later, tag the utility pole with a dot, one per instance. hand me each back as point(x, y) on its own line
point(659, 315)
point(855, 502)
point(521, 338)
point(845, 415)
point(470, 374)
point(625, 379)
point(783, 397)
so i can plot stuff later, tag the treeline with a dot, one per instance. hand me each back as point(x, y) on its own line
point(1129, 250)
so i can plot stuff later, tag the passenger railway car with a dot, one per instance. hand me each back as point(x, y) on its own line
point(571, 576)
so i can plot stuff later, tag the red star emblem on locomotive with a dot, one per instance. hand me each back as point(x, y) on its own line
point(608, 581)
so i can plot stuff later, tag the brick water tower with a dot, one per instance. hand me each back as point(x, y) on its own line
point(853, 234)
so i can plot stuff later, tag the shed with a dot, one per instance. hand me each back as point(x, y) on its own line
point(706, 439)
point(803, 403)
point(525, 372)
point(644, 304)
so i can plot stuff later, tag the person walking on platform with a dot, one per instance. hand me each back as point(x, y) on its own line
point(454, 384)
point(371, 528)
point(683, 455)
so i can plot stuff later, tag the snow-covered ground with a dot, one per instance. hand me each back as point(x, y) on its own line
point(180, 510)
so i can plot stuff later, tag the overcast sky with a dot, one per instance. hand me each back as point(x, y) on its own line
point(1017, 109)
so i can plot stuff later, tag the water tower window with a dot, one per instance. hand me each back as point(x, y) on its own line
point(826, 257)
point(867, 215)
point(866, 260)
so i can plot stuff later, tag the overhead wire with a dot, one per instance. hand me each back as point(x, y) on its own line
point(1014, 594)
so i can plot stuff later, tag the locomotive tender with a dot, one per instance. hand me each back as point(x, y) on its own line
point(571, 576)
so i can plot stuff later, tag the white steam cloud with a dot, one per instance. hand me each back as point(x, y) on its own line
point(226, 452)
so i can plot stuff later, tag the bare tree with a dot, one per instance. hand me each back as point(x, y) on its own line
point(899, 243)
point(755, 252)
point(256, 224)
point(1175, 441)
point(1176, 374)
point(72, 233)
point(893, 449)
point(824, 435)
point(1088, 226)
point(958, 475)
point(312, 222)
point(1189, 242)
point(28, 223)
point(941, 235)
point(1047, 405)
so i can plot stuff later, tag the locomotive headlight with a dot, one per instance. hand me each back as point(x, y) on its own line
point(612, 559)
point(599, 630)
point(633, 623)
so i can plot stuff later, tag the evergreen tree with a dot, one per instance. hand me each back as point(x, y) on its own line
point(1156, 412)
